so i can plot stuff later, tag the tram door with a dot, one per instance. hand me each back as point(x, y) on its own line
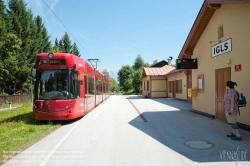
point(85, 93)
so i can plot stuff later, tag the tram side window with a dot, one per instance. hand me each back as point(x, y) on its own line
point(104, 88)
point(100, 87)
point(91, 86)
point(75, 87)
point(96, 85)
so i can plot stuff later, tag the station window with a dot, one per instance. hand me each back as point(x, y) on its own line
point(220, 32)
point(147, 85)
point(170, 86)
point(178, 86)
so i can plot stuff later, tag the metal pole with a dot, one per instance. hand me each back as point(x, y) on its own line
point(95, 86)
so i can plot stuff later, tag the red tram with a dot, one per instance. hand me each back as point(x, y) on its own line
point(66, 87)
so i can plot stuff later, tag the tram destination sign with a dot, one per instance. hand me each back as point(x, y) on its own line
point(52, 62)
point(186, 64)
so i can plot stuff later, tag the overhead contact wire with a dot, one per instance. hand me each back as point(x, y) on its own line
point(66, 28)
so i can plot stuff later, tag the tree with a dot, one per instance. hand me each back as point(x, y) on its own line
point(146, 65)
point(2, 21)
point(56, 46)
point(41, 41)
point(33, 38)
point(75, 50)
point(105, 73)
point(60, 46)
point(3, 30)
point(137, 80)
point(113, 84)
point(46, 44)
point(66, 43)
point(139, 63)
point(9, 46)
point(9, 68)
point(112, 81)
point(125, 75)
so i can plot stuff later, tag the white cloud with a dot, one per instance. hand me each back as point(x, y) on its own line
point(39, 7)
point(54, 4)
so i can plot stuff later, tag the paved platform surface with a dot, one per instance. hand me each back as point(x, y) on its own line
point(130, 130)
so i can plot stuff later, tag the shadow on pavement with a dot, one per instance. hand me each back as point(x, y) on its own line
point(174, 128)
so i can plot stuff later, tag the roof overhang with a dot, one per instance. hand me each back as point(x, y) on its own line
point(157, 71)
point(206, 12)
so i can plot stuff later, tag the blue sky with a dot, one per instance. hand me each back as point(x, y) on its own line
point(116, 31)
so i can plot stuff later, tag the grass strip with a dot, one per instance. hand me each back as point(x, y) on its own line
point(19, 129)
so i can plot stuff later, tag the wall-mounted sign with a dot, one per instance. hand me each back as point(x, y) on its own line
point(186, 64)
point(200, 80)
point(222, 48)
point(237, 67)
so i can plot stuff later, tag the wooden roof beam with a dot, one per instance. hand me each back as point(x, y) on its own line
point(214, 6)
point(188, 53)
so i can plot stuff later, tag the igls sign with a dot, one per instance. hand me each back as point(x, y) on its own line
point(222, 48)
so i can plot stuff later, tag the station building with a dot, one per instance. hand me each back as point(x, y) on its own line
point(154, 81)
point(220, 40)
point(164, 80)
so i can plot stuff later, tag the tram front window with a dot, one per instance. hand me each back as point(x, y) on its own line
point(52, 85)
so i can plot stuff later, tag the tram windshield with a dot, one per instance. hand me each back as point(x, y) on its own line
point(56, 85)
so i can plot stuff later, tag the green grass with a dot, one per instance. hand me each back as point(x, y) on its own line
point(7, 105)
point(19, 129)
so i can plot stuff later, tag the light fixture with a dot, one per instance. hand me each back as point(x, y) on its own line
point(51, 55)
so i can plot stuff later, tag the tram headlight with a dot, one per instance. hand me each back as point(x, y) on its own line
point(51, 55)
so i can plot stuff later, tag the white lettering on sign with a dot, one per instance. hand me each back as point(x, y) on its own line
point(222, 48)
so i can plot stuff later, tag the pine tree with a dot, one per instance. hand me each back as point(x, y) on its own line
point(21, 24)
point(2, 26)
point(2, 21)
point(75, 50)
point(56, 46)
point(66, 43)
point(41, 39)
point(9, 46)
point(46, 42)
point(2, 35)
point(61, 46)
point(139, 62)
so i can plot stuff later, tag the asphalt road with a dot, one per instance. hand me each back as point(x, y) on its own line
point(132, 131)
